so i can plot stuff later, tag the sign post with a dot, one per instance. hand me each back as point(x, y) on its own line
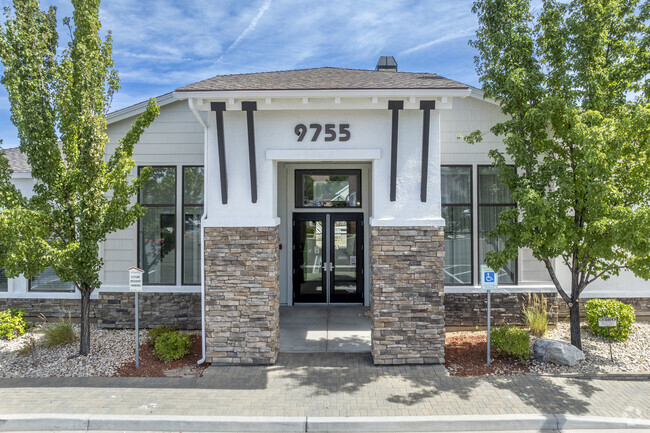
point(489, 281)
point(608, 322)
point(135, 285)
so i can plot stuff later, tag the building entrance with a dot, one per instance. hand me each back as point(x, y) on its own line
point(328, 257)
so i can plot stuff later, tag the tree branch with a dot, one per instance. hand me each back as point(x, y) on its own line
point(558, 286)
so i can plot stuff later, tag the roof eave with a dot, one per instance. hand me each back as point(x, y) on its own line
point(313, 93)
point(135, 109)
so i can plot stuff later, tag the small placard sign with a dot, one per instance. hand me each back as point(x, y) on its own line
point(135, 279)
point(607, 322)
point(489, 278)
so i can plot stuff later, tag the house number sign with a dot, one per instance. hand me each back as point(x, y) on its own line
point(331, 131)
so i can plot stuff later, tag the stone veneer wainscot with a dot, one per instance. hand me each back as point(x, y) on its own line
point(408, 315)
point(242, 295)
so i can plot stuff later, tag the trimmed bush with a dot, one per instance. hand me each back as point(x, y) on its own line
point(534, 313)
point(158, 331)
point(511, 341)
point(12, 324)
point(624, 314)
point(59, 334)
point(171, 346)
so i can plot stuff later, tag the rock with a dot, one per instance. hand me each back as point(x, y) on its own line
point(557, 352)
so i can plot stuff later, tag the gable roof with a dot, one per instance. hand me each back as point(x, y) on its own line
point(17, 160)
point(324, 79)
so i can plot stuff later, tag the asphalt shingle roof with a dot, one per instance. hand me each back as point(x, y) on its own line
point(17, 160)
point(324, 79)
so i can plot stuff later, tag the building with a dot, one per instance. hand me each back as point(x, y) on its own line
point(328, 186)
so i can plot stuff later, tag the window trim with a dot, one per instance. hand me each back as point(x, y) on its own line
point(512, 204)
point(471, 208)
point(298, 173)
point(175, 167)
point(183, 205)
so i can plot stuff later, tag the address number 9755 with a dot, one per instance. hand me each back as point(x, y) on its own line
point(330, 131)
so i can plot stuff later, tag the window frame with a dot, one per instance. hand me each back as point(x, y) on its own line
point(139, 245)
point(183, 205)
point(298, 173)
point(471, 208)
point(480, 205)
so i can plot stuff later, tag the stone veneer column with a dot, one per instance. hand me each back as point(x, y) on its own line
point(242, 303)
point(408, 315)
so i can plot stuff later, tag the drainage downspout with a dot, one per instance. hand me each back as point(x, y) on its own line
point(190, 102)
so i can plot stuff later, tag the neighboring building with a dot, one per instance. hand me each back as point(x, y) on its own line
point(328, 186)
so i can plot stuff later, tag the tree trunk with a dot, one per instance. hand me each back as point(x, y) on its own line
point(84, 343)
point(574, 318)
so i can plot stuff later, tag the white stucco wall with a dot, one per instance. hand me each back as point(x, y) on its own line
point(276, 141)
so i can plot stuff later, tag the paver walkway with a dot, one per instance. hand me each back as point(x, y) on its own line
point(331, 384)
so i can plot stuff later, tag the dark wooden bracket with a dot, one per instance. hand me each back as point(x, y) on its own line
point(219, 108)
point(426, 107)
point(394, 106)
point(250, 107)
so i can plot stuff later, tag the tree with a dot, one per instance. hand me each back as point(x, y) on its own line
point(573, 82)
point(58, 104)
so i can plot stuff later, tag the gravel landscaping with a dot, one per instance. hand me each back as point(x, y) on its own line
point(110, 349)
point(631, 356)
point(114, 350)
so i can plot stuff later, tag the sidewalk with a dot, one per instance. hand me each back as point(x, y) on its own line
point(328, 385)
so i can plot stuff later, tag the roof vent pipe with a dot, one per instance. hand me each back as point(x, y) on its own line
point(387, 64)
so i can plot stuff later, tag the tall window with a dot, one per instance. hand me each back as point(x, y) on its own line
point(192, 211)
point(493, 197)
point(48, 281)
point(157, 228)
point(457, 212)
point(4, 284)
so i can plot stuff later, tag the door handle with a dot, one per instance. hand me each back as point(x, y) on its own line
point(328, 267)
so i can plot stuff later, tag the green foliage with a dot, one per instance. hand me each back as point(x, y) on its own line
point(12, 324)
point(59, 97)
point(171, 346)
point(573, 80)
point(623, 313)
point(58, 334)
point(512, 341)
point(156, 332)
point(534, 313)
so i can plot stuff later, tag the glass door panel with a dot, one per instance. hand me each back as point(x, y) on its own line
point(344, 252)
point(309, 252)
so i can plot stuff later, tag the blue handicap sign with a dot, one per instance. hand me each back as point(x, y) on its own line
point(490, 279)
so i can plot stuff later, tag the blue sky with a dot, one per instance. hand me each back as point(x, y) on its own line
point(160, 45)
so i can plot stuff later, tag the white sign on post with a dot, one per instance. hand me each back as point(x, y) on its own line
point(135, 285)
point(607, 322)
point(489, 281)
point(135, 279)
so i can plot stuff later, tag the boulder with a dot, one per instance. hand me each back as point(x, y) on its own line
point(557, 352)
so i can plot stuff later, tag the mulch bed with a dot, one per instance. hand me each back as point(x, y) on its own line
point(466, 355)
point(151, 366)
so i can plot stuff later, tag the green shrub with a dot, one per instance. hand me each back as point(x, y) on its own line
point(511, 341)
point(12, 324)
point(59, 334)
point(171, 346)
point(624, 314)
point(534, 313)
point(158, 331)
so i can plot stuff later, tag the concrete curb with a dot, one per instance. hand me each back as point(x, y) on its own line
point(466, 423)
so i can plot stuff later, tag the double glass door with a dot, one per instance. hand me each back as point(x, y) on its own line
point(328, 257)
